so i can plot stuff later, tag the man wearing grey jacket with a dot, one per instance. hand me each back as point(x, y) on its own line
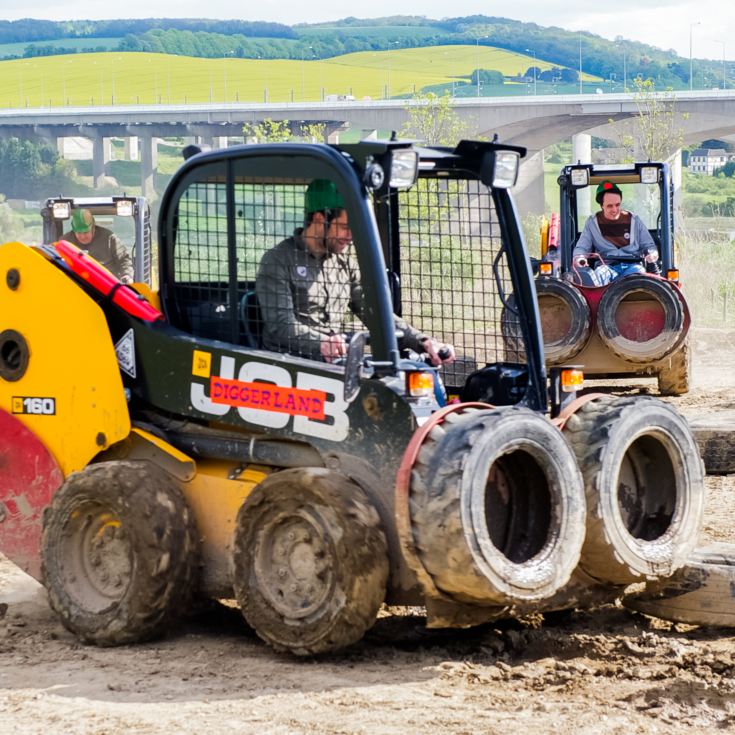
point(613, 232)
point(307, 284)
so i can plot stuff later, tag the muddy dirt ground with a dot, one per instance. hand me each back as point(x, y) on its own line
point(601, 671)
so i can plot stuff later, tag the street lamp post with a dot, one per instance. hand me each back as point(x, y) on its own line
point(580, 62)
point(303, 50)
point(625, 71)
point(477, 44)
point(724, 70)
point(533, 51)
point(691, 74)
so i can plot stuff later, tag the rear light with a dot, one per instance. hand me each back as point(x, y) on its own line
point(420, 384)
point(672, 274)
point(545, 269)
point(571, 380)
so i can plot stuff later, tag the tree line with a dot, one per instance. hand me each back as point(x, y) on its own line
point(615, 61)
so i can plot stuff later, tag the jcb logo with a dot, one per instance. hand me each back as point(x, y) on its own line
point(265, 395)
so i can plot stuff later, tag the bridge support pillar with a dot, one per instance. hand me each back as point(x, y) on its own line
point(676, 179)
point(100, 157)
point(131, 148)
point(582, 153)
point(529, 190)
point(217, 141)
point(148, 163)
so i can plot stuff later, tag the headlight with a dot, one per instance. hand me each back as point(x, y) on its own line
point(124, 208)
point(404, 168)
point(61, 210)
point(505, 171)
point(580, 177)
point(649, 175)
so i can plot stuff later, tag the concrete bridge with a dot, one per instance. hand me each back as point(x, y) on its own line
point(533, 121)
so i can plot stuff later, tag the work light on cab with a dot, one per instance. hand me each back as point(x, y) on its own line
point(505, 172)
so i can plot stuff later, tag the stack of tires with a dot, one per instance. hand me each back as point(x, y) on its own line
point(507, 510)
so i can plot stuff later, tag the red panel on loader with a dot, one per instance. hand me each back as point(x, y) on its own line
point(29, 476)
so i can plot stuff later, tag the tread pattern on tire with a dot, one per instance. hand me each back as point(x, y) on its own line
point(358, 562)
point(580, 322)
point(590, 432)
point(437, 515)
point(160, 528)
point(674, 379)
point(674, 318)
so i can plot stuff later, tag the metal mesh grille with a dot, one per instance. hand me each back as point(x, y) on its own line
point(452, 270)
point(201, 264)
point(451, 265)
point(265, 214)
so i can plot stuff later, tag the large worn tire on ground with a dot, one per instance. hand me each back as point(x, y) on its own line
point(119, 552)
point(565, 321)
point(497, 507)
point(702, 592)
point(641, 318)
point(715, 434)
point(311, 561)
point(675, 378)
point(645, 487)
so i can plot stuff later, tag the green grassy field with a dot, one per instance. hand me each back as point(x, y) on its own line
point(135, 78)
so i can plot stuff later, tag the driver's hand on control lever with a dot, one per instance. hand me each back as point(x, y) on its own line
point(651, 257)
point(332, 347)
point(440, 354)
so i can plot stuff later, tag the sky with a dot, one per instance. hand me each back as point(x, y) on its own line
point(708, 24)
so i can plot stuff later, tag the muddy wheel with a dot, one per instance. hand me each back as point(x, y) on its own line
point(565, 321)
point(118, 552)
point(645, 487)
point(641, 318)
point(497, 507)
point(673, 380)
point(699, 593)
point(311, 562)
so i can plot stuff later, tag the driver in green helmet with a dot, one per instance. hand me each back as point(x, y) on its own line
point(308, 282)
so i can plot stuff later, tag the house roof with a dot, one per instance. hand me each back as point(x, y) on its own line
point(709, 152)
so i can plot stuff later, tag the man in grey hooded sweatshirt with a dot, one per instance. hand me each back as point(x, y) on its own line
point(613, 232)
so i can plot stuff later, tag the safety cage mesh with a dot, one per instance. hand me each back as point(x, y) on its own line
point(452, 268)
point(454, 273)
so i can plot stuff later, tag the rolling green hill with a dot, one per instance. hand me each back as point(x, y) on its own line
point(136, 78)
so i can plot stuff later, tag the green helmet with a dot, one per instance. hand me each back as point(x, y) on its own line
point(322, 194)
point(81, 221)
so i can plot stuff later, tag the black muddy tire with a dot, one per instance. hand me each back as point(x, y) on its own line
point(565, 321)
point(311, 561)
point(119, 552)
point(623, 338)
point(674, 379)
point(699, 593)
point(644, 483)
point(497, 507)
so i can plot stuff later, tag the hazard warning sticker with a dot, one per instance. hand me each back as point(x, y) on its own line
point(125, 352)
